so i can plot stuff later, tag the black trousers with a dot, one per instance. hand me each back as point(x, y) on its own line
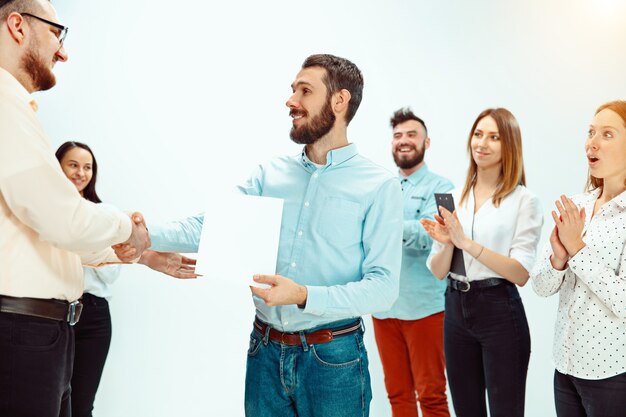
point(93, 338)
point(487, 347)
point(576, 397)
point(36, 357)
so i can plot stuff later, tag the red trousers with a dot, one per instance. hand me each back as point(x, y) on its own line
point(411, 352)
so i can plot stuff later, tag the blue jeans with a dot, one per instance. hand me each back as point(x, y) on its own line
point(487, 347)
point(324, 380)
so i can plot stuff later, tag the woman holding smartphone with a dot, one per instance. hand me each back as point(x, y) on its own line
point(497, 225)
point(93, 331)
point(585, 262)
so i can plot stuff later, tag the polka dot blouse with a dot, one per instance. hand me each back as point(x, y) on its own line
point(590, 333)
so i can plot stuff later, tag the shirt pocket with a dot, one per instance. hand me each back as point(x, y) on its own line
point(414, 208)
point(340, 222)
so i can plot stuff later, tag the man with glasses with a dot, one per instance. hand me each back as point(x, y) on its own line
point(44, 222)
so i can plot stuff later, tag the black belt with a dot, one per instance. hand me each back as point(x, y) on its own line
point(483, 283)
point(44, 308)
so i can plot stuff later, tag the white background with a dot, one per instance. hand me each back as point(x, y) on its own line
point(180, 99)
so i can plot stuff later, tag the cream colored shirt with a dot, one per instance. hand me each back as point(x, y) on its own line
point(44, 222)
point(590, 330)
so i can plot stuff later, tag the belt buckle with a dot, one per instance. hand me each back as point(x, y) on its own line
point(465, 289)
point(73, 312)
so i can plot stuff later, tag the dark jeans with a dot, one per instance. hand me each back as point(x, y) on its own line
point(323, 380)
point(36, 357)
point(487, 347)
point(93, 338)
point(575, 397)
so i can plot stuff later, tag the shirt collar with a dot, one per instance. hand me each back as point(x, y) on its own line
point(619, 199)
point(334, 157)
point(417, 176)
point(9, 83)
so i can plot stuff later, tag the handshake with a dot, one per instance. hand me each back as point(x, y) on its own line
point(136, 248)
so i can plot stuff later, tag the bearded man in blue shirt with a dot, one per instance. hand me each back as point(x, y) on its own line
point(410, 335)
point(338, 257)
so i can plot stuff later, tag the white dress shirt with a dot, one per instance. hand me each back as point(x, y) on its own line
point(512, 229)
point(44, 221)
point(590, 331)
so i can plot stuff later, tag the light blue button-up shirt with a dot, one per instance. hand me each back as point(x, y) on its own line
point(421, 294)
point(341, 236)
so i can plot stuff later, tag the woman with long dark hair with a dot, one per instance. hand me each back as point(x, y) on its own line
point(585, 262)
point(496, 225)
point(93, 331)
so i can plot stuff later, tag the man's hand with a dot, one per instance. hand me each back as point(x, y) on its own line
point(172, 264)
point(137, 243)
point(283, 291)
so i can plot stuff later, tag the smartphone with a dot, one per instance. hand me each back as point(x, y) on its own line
point(457, 265)
point(445, 200)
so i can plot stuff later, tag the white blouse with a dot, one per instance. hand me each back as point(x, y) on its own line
point(590, 331)
point(512, 229)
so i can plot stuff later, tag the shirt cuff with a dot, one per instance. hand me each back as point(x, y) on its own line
point(583, 263)
point(316, 300)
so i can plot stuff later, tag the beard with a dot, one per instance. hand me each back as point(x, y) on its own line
point(319, 126)
point(39, 72)
point(408, 163)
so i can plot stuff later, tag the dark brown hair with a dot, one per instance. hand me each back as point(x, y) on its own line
point(89, 192)
point(404, 115)
point(340, 74)
point(512, 173)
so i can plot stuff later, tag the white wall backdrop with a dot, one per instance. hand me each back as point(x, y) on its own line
point(180, 99)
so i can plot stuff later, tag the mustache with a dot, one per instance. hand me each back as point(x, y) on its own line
point(294, 112)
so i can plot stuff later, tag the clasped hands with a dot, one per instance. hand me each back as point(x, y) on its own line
point(566, 237)
point(136, 248)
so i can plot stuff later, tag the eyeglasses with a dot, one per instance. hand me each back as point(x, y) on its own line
point(61, 34)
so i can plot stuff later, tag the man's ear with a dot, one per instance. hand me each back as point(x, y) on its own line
point(341, 99)
point(16, 27)
point(427, 143)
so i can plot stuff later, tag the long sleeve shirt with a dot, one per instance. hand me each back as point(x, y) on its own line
point(421, 294)
point(44, 222)
point(512, 229)
point(590, 330)
point(341, 236)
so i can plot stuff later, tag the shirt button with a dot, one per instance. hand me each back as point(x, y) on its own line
point(285, 323)
point(293, 264)
point(306, 204)
point(300, 233)
point(315, 175)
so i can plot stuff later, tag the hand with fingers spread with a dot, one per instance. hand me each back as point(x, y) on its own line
point(437, 229)
point(454, 228)
point(570, 223)
point(283, 291)
point(172, 264)
point(137, 243)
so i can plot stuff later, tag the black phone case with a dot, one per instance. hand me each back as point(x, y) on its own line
point(457, 265)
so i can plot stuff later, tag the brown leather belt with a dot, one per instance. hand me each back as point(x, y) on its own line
point(44, 308)
point(314, 338)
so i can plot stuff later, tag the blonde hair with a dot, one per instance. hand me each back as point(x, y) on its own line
point(512, 173)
